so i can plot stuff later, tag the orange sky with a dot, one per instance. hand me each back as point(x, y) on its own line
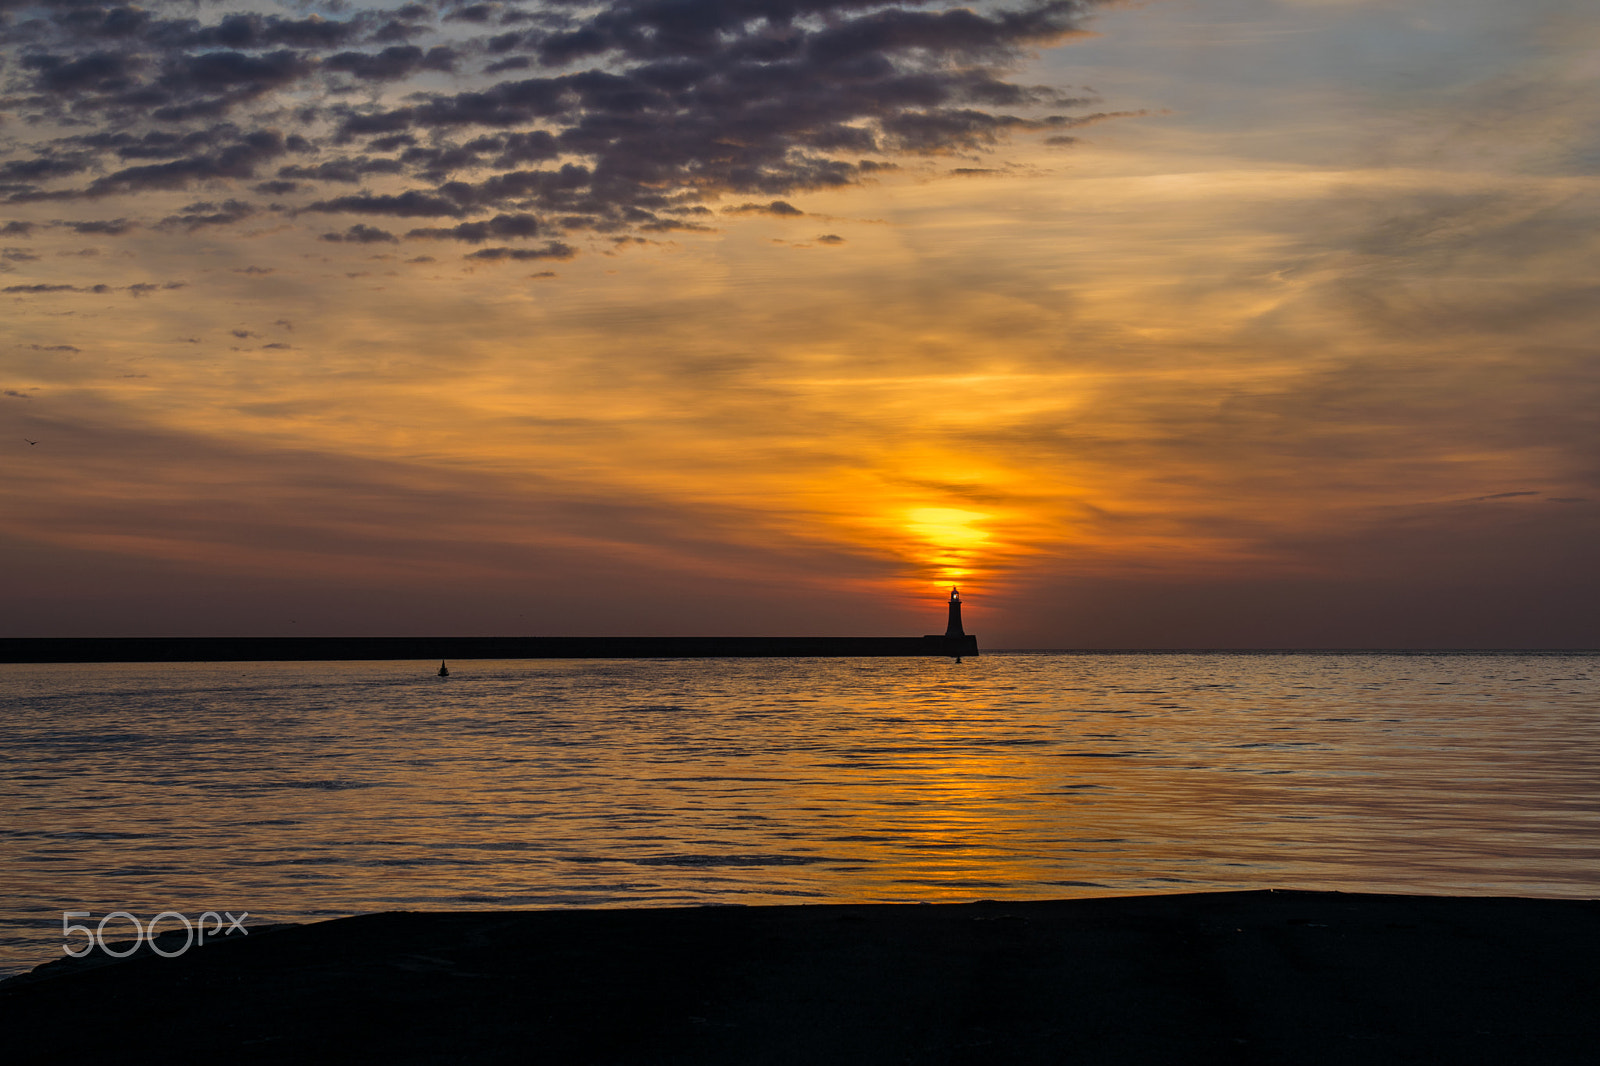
point(1295, 348)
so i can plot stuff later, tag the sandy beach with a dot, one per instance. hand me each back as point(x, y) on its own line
point(1234, 977)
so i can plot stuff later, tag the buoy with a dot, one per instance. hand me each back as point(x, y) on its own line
point(444, 671)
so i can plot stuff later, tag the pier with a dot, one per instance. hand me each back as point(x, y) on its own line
point(953, 643)
point(310, 649)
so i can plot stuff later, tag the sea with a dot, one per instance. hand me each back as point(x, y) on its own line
point(293, 792)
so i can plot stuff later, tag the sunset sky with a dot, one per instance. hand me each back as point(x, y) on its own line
point(1184, 323)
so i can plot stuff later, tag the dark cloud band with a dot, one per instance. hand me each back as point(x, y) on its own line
point(515, 121)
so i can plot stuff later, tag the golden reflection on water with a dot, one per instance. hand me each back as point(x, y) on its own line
point(300, 790)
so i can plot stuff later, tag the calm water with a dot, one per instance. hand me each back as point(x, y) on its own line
point(303, 790)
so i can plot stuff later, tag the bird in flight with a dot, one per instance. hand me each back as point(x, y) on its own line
point(30, 441)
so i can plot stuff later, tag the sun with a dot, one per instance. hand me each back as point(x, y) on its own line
point(947, 527)
point(949, 542)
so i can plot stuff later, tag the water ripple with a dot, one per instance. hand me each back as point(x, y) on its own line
point(302, 790)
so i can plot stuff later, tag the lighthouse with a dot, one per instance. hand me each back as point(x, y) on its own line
point(954, 628)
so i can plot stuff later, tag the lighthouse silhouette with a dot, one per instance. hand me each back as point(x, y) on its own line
point(954, 641)
point(954, 628)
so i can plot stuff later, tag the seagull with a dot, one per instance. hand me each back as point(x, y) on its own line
point(30, 441)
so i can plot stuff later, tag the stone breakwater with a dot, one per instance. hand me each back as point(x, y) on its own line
point(310, 649)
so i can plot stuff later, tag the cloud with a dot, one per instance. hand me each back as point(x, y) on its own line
point(360, 234)
point(254, 31)
point(626, 117)
point(205, 84)
point(776, 207)
point(135, 26)
point(500, 226)
point(48, 165)
point(143, 288)
point(393, 63)
point(405, 205)
point(552, 250)
point(237, 160)
point(348, 171)
point(115, 227)
point(479, 13)
point(99, 70)
point(503, 65)
point(205, 213)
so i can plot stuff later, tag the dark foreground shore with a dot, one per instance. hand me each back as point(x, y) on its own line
point(1238, 977)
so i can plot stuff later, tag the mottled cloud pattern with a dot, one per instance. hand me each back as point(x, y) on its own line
point(504, 121)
